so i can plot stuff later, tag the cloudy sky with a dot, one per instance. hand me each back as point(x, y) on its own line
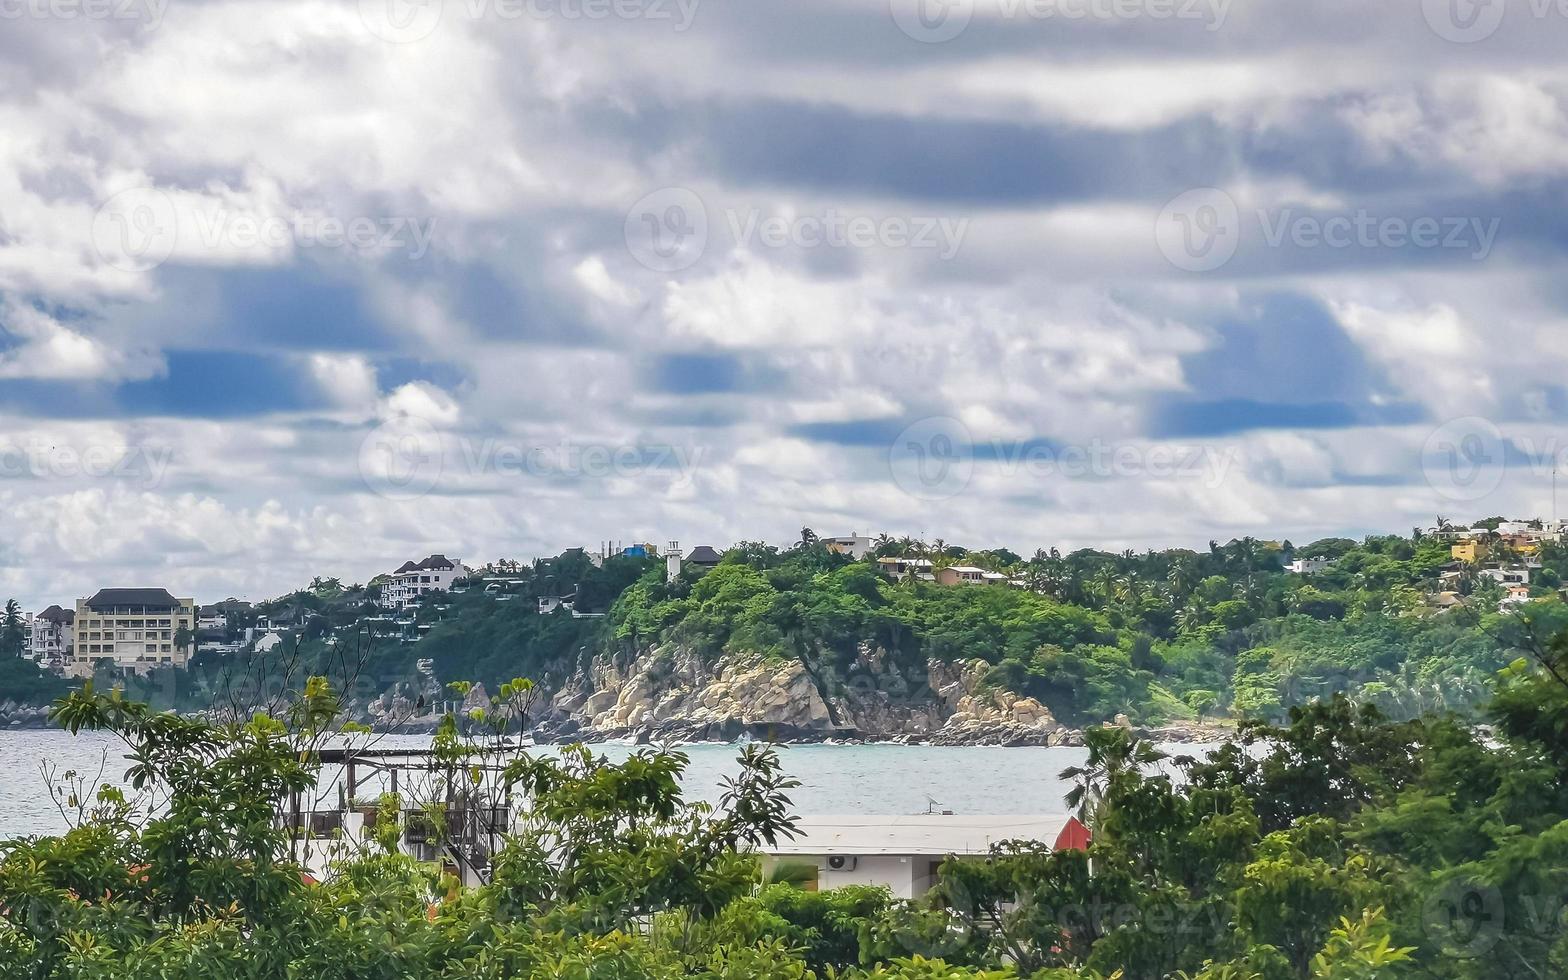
point(299, 287)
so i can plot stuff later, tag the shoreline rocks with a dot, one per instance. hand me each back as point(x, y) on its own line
point(21, 716)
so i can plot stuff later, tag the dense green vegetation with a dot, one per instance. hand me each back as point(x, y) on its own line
point(1158, 636)
point(24, 682)
point(1174, 635)
point(1339, 846)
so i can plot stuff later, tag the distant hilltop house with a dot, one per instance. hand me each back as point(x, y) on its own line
point(856, 546)
point(902, 568)
point(1505, 575)
point(216, 616)
point(1513, 595)
point(134, 629)
point(1309, 566)
point(902, 853)
point(53, 636)
point(702, 556)
point(414, 579)
point(924, 570)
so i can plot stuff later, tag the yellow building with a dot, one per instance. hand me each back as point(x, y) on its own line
point(135, 629)
point(1523, 544)
point(1470, 550)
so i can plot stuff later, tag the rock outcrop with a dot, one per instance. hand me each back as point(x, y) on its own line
point(671, 693)
point(13, 715)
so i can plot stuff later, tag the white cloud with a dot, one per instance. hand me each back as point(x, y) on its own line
point(50, 350)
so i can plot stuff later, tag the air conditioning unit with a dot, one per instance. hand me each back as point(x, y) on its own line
point(841, 862)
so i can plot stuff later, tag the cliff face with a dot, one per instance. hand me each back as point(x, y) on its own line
point(669, 692)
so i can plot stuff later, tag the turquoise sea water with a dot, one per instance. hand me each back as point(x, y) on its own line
point(871, 779)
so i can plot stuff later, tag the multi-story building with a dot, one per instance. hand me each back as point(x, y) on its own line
point(53, 636)
point(414, 579)
point(135, 629)
point(901, 568)
point(856, 546)
point(1469, 550)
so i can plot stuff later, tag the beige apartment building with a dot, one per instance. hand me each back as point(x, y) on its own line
point(134, 628)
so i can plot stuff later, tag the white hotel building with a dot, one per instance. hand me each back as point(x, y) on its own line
point(414, 579)
point(133, 629)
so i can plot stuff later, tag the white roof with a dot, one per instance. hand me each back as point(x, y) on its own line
point(965, 568)
point(935, 834)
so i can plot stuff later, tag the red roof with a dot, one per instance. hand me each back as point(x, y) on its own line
point(1074, 837)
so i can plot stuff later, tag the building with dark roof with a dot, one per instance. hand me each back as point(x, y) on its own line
point(53, 635)
point(134, 629)
point(414, 579)
point(705, 556)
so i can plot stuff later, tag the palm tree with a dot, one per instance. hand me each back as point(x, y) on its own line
point(13, 637)
point(1113, 751)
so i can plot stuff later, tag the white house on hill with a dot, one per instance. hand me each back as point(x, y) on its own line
point(902, 853)
point(414, 579)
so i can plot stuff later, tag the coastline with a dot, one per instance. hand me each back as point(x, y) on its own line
point(735, 732)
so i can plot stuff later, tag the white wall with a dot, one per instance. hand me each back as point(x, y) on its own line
point(896, 873)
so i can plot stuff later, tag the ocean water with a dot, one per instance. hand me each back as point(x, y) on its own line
point(835, 779)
